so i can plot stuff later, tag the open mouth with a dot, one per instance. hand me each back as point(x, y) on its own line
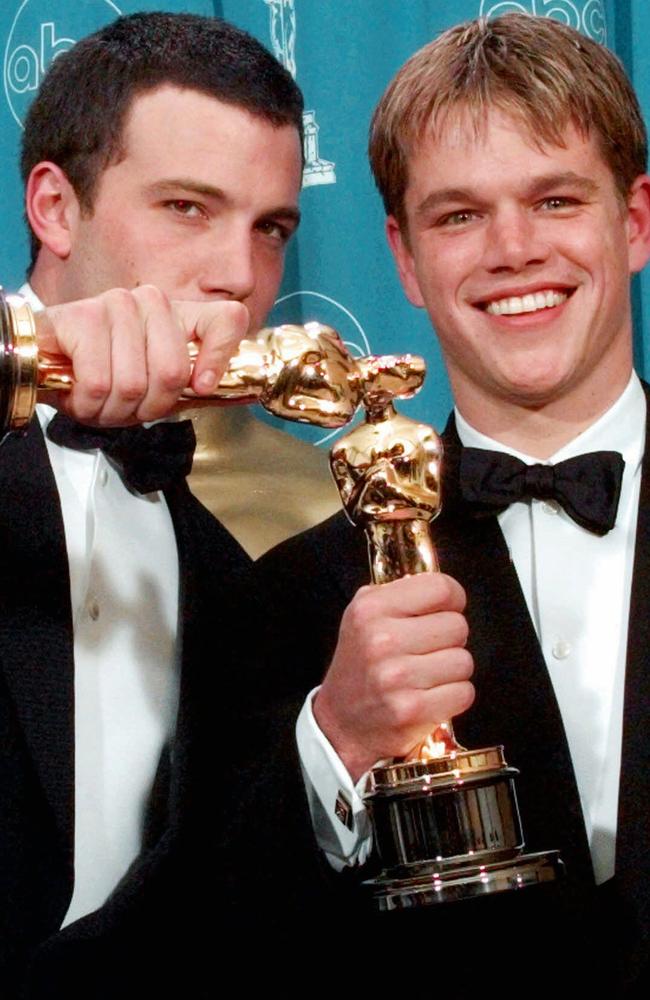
point(513, 305)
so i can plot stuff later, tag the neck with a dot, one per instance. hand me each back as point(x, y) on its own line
point(377, 411)
point(46, 280)
point(540, 431)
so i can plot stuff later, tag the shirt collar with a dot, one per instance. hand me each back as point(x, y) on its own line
point(621, 428)
point(32, 298)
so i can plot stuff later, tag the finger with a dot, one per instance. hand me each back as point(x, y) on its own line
point(445, 666)
point(79, 331)
point(166, 357)
point(445, 702)
point(129, 376)
point(415, 715)
point(411, 595)
point(220, 326)
point(420, 634)
point(427, 592)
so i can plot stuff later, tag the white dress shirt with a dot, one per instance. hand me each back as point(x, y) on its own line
point(577, 587)
point(124, 592)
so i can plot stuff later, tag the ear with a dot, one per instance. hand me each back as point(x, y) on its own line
point(404, 261)
point(639, 223)
point(52, 208)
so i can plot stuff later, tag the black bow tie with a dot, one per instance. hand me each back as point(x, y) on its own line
point(148, 458)
point(588, 487)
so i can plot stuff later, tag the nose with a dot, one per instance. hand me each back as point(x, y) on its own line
point(229, 268)
point(514, 241)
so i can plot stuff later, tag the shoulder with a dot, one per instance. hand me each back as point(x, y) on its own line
point(315, 545)
point(199, 532)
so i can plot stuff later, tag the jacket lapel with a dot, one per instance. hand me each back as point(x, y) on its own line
point(214, 586)
point(633, 839)
point(515, 702)
point(35, 618)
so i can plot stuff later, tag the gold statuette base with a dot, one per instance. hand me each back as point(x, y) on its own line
point(433, 885)
point(18, 363)
point(449, 829)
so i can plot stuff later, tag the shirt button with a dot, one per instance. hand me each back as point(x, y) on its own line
point(550, 506)
point(103, 477)
point(561, 649)
point(93, 609)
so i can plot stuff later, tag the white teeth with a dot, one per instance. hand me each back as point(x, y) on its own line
point(526, 303)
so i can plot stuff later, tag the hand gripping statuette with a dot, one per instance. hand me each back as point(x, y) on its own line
point(445, 819)
point(300, 373)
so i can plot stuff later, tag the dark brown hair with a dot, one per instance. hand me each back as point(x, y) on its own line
point(77, 118)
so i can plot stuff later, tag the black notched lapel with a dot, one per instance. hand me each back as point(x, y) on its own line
point(515, 702)
point(633, 837)
point(215, 581)
point(36, 695)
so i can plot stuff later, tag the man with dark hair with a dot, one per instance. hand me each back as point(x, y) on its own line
point(162, 161)
point(134, 56)
point(511, 157)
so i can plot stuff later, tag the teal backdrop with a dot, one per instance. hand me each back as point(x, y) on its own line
point(342, 53)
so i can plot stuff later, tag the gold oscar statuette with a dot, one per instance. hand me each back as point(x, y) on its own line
point(300, 373)
point(445, 819)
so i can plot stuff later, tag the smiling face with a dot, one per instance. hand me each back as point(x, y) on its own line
point(522, 258)
point(201, 204)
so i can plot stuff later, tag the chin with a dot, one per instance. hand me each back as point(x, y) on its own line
point(535, 390)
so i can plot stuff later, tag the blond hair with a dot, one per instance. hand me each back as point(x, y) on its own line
point(540, 72)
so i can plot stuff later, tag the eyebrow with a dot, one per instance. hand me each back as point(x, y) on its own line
point(291, 213)
point(540, 185)
point(585, 185)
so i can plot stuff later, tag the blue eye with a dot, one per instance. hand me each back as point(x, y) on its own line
point(457, 218)
point(559, 201)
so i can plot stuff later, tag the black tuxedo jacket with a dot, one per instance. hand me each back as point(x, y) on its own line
point(37, 688)
point(309, 580)
point(238, 881)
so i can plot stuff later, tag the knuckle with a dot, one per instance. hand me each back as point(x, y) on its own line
point(146, 412)
point(83, 410)
point(451, 592)
point(120, 299)
point(132, 388)
point(173, 376)
point(151, 295)
point(460, 628)
point(88, 313)
point(97, 386)
point(235, 313)
point(361, 610)
point(378, 644)
point(403, 711)
point(464, 663)
point(443, 588)
point(392, 677)
point(466, 695)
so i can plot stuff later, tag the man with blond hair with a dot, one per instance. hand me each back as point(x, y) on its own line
point(511, 158)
